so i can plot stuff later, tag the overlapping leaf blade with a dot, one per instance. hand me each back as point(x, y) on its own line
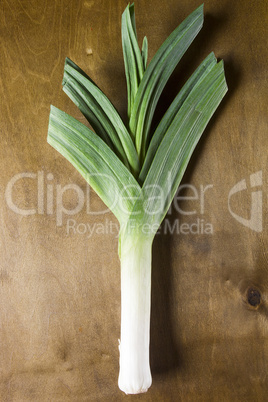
point(101, 114)
point(101, 157)
point(133, 60)
point(175, 150)
point(156, 76)
point(172, 111)
point(101, 168)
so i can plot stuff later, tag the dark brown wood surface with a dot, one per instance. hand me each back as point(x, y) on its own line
point(59, 287)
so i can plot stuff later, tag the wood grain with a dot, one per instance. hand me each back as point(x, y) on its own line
point(60, 290)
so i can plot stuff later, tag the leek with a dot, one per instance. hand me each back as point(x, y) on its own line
point(142, 168)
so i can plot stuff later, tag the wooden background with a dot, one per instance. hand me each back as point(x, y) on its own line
point(60, 291)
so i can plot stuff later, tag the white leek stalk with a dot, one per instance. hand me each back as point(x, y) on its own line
point(141, 169)
point(135, 375)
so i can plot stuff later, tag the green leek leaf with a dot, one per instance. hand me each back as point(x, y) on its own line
point(144, 52)
point(157, 74)
point(100, 167)
point(175, 150)
point(170, 114)
point(134, 66)
point(101, 114)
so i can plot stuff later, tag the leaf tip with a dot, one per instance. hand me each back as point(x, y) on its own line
point(200, 11)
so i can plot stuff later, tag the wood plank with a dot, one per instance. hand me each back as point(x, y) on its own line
point(60, 285)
